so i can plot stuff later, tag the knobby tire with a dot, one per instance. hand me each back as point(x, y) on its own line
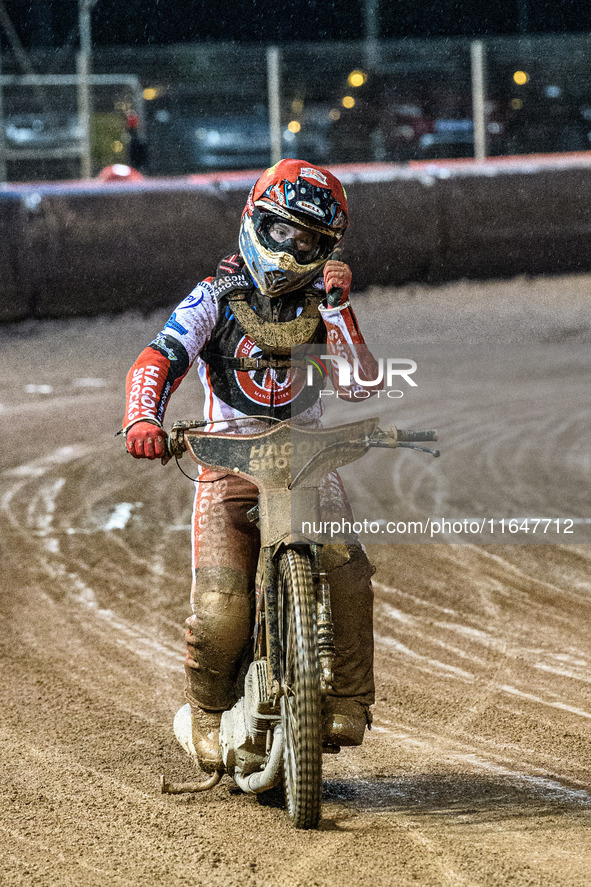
point(301, 706)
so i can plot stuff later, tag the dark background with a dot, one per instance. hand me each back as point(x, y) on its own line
point(141, 22)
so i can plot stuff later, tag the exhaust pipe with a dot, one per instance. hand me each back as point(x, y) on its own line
point(255, 783)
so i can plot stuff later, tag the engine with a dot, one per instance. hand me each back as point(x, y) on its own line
point(246, 730)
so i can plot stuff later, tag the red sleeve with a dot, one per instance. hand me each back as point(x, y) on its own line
point(344, 339)
point(148, 386)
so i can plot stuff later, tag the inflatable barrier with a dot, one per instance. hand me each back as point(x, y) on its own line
point(87, 248)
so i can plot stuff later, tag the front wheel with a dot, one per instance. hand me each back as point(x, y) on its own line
point(301, 703)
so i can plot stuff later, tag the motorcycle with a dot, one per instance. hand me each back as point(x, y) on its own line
point(273, 734)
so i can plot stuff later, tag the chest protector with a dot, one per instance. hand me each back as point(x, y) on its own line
point(249, 351)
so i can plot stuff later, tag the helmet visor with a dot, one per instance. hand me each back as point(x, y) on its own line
point(282, 236)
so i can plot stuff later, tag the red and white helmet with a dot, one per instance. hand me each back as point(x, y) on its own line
point(304, 195)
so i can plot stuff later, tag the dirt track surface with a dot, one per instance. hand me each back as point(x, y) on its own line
point(477, 771)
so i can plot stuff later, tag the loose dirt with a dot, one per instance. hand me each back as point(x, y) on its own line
point(477, 769)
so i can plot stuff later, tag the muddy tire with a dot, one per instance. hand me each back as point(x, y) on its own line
point(301, 704)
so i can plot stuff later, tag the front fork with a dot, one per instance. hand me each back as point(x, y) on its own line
point(324, 625)
point(267, 583)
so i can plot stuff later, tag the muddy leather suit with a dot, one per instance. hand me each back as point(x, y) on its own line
point(226, 547)
point(203, 329)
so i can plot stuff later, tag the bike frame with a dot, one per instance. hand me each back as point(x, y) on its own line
point(286, 462)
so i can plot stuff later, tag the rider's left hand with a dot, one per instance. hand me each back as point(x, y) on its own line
point(337, 275)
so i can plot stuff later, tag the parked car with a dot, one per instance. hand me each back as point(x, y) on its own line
point(185, 142)
point(231, 142)
point(450, 138)
point(454, 138)
point(43, 132)
point(403, 125)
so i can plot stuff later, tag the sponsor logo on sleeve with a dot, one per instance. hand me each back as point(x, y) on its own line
point(143, 396)
point(160, 343)
point(173, 324)
point(193, 300)
point(222, 285)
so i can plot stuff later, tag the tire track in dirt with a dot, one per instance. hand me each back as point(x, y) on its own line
point(477, 771)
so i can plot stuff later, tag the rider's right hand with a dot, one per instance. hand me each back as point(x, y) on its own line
point(147, 441)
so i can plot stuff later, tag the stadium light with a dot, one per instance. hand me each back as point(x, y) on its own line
point(357, 78)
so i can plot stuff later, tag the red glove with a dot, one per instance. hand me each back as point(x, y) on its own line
point(337, 276)
point(147, 441)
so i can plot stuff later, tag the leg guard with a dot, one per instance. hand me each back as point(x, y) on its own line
point(351, 595)
point(217, 634)
point(346, 711)
point(225, 552)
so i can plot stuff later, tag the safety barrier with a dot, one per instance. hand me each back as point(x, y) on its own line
point(14, 300)
point(88, 248)
point(519, 220)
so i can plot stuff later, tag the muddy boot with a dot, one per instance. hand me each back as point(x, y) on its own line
point(198, 732)
point(344, 721)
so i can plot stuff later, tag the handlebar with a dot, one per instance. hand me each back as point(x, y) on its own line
point(401, 434)
point(395, 437)
point(400, 437)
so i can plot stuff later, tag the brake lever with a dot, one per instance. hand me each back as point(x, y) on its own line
point(411, 446)
point(392, 445)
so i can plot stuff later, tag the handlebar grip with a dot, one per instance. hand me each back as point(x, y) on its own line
point(334, 296)
point(416, 435)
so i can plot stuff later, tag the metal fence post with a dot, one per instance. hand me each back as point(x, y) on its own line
point(274, 95)
point(83, 70)
point(371, 45)
point(478, 98)
point(3, 169)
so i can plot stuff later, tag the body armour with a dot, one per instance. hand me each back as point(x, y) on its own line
point(248, 353)
point(240, 342)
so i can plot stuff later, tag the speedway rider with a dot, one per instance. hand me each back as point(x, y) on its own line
point(295, 215)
